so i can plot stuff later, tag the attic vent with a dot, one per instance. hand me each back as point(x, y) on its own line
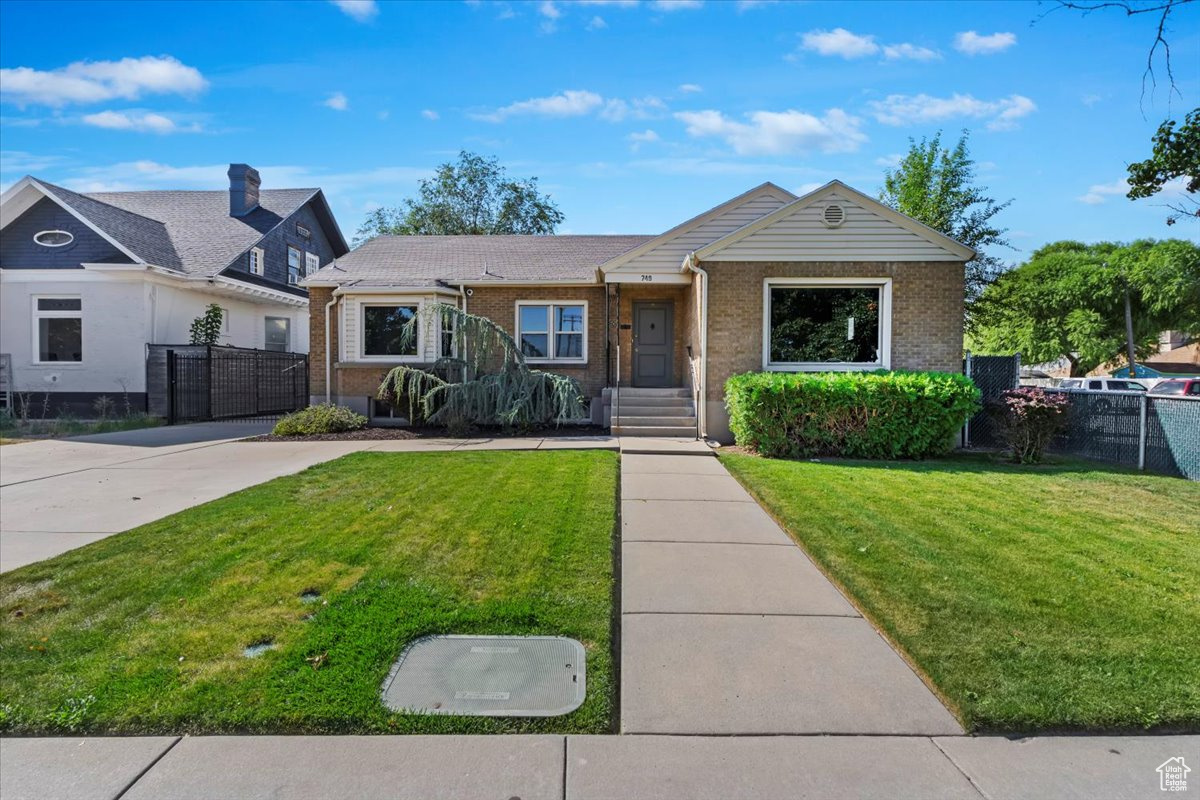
point(303, 231)
point(53, 238)
point(833, 215)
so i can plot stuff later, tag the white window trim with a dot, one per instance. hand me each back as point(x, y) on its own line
point(36, 338)
point(551, 332)
point(256, 258)
point(362, 332)
point(885, 325)
point(70, 238)
point(294, 279)
point(312, 263)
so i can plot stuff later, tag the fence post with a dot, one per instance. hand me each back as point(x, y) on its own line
point(966, 431)
point(1142, 434)
point(210, 387)
point(170, 387)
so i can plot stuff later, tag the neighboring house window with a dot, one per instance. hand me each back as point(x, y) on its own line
point(293, 264)
point(312, 263)
point(256, 261)
point(57, 330)
point(823, 324)
point(224, 320)
point(53, 238)
point(383, 331)
point(552, 331)
point(278, 334)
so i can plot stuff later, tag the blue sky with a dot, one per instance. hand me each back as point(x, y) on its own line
point(633, 115)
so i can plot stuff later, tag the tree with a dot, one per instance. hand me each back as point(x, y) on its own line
point(937, 187)
point(473, 197)
point(206, 328)
point(485, 382)
point(1176, 155)
point(1067, 301)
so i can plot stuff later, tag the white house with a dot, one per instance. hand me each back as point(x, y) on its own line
point(88, 280)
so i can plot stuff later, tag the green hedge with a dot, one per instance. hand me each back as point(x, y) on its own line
point(316, 420)
point(852, 414)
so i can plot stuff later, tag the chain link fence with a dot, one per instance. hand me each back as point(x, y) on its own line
point(993, 375)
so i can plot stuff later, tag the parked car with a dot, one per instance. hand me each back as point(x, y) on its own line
point(1178, 387)
point(1102, 384)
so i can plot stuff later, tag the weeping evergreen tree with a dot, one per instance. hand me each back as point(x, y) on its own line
point(484, 380)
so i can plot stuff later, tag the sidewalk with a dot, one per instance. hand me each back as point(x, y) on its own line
point(590, 767)
point(728, 628)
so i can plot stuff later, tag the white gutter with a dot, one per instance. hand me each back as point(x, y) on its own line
point(702, 411)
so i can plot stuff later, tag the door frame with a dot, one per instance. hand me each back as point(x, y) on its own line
point(669, 307)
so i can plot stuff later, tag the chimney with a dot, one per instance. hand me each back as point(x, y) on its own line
point(243, 189)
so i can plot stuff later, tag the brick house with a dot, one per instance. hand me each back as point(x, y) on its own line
point(652, 326)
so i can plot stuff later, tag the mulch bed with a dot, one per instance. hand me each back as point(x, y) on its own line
point(375, 434)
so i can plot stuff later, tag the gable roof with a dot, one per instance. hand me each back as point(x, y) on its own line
point(415, 261)
point(767, 189)
point(187, 231)
point(954, 250)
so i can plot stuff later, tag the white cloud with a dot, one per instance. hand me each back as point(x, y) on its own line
point(891, 160)
point(1100, 192)
point(359, 10)
point(911, 52)
point(637, 139)
point(779, 132)
point(690, 88)
point(675, 5)
point(571, 103)
point(431, 115)
point(1090, 100)
point(805, 188)
point(746, 5)
point(551, 12)
point(337, 101)
point(141, 121)
point(617, 110)
point(839, 42)
point(97, 81)
point(597, 23)
point(902, 109)
point(973, 44)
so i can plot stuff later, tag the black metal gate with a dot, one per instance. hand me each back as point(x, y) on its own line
point(993, 375)
point(212, 383)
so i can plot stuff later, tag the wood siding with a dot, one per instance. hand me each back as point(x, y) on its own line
point(864, 236)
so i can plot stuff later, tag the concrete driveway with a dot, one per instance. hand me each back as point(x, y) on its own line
point(57, 495)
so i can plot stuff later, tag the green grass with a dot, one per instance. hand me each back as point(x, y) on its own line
point(143, 632)
point(1063, 597)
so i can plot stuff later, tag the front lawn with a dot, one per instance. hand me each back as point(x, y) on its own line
point(338, 568)
point(1064, 597)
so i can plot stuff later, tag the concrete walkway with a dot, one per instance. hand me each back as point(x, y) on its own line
point(590, 767)
point(728, 628)
point(56, 495)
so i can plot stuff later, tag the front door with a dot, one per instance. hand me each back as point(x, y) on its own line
point(653, 344)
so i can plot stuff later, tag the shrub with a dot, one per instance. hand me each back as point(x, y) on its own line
point(325, 418)
point(1029, 417)
point(853, 414)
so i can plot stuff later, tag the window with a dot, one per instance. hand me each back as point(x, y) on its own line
point(58, 330)
point(819, 324)
point(1126, 386)
point(293, 265)
point(1172, 387)
point(256, 261)
point(1095, 384)
point(53, 238)
point(312, 263)
point(1193, 389)
point(552, 331)
point(383, 331)
point(278, 334)
point(224, 320)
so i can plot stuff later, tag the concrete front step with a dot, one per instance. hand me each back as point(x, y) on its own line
point(654, 402)
point(655, 430)
point(655, 420)
point(635, 391)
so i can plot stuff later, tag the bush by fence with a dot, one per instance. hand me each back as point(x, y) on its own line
point(852, 414)
point(316, 420)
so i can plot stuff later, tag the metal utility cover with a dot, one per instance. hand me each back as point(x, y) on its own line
point(488, 676)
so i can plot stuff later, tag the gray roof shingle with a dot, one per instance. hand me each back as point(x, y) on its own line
point(146, 238)
point(429, 260)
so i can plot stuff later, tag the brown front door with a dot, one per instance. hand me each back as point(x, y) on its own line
point(653, 344)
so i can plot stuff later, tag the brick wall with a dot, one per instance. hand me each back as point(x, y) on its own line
point(927, 312)
point(680, 297)
point(317, 298)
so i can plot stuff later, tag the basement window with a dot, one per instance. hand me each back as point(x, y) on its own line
point(816, 325)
